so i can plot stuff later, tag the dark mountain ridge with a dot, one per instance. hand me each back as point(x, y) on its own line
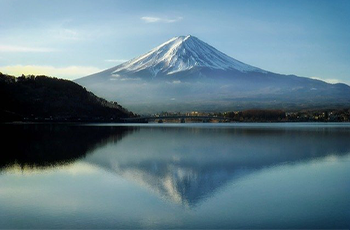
point(46, 98)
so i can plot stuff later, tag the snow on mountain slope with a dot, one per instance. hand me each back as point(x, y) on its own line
point(186, 74)
point(180, 54)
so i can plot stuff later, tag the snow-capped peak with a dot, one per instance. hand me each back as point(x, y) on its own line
point(183, 53)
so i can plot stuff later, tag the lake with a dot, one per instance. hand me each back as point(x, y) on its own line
point(282, 175)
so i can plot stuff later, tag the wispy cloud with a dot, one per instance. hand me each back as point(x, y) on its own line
point(116, 60)
point(25, 49)
point(66, 34)
point(68, 72)
point(150, 19)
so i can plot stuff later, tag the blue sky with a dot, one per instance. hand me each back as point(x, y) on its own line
point(74, 38)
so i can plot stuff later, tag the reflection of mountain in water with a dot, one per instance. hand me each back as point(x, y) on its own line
point(188, 165)
point(45, 145)
point(184, 165)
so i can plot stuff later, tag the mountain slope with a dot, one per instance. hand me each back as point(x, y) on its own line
point(41, 97)
point(186, 73)
point(181, 54)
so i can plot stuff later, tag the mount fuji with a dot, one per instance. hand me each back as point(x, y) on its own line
point(186, 74)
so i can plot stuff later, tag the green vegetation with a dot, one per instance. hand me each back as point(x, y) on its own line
point(42, 98)
point(256, 115)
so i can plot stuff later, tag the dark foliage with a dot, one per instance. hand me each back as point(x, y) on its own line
point(256, 115)
point(46, 98)
point(264, 115)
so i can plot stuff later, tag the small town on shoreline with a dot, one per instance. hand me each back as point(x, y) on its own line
point(256, 115)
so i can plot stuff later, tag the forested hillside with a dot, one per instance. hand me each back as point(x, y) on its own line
point(46, 98)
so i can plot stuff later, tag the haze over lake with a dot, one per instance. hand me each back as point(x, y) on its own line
point(175, 176)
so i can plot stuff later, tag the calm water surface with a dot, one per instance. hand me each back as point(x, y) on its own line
point(175, 176)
